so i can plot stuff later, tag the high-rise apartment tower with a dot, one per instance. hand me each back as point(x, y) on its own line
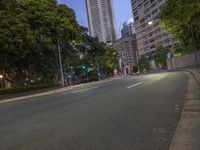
point(101, 20)
point(148, 32)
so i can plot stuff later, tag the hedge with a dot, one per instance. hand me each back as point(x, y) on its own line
point(27, 88)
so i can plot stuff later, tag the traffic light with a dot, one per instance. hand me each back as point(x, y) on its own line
point(84, 68)
point(90, 69)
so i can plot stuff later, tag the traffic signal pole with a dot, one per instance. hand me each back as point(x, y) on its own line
point(99, 73)
point(61, 67)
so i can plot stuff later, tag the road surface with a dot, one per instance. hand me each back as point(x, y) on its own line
point(132, 113)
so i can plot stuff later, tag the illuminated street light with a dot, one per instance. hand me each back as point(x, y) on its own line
point(150, 22)
point(152, 61)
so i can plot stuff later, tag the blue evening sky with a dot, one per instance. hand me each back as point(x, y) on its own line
point(122, 10)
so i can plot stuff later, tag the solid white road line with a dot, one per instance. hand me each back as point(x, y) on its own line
point(134, 85)
point(83, 90)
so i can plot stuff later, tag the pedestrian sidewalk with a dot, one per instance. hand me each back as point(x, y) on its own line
point(187, 135)
point(195, 72)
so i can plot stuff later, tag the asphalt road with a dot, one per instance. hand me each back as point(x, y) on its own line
point(132, 113)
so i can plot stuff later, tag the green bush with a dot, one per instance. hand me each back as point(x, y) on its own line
point(144, 63)
point(27, 88)
point(135, 69)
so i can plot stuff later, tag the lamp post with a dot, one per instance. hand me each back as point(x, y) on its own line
point(1, 78)
point(137, 56)
point(173, 53)
point(61, 67)
point(152, 61)
point(99, 73)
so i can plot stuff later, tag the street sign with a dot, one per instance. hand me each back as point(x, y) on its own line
point(169, 54)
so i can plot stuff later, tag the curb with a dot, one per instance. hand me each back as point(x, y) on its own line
point(186, 133)
point(194, 74)
point(14, 99)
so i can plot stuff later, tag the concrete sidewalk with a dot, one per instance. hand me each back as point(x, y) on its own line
point(195, 71)
point(187, 134)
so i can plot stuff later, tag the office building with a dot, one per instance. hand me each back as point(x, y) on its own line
point(101, 20)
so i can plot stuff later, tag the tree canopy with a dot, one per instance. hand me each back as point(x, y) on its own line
point(160, 56)
point(143, 63)
point(182, 19)
point(30, 31)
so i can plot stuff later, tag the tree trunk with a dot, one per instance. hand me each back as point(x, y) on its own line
point(7, 84)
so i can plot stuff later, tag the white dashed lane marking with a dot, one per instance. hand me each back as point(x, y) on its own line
point(86, 89)
point(134, 85)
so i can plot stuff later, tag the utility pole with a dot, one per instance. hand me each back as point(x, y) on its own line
point(138, 57)
point(99, 73)
point(174, 61)
point(61, 67)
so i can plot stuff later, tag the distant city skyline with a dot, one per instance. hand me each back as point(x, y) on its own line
point(122, 12)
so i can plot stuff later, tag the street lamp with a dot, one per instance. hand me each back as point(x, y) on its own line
point(150, 22)
point(99, 72)
point(173, 53)
point(172, 44)
point(138, 59)
point(151, 61)
point(1, 78)
point(60, 62)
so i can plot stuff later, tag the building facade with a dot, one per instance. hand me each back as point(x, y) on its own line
point(101, 20)
point(128, 28)
point(127, 51)
point(148, 33)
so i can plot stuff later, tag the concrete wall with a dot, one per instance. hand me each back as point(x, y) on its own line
point(188, 60)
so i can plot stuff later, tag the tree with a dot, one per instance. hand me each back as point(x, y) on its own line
point(160, 56)
point(15, 38)
point(110, 58)
point(51, 24)
point(182, 19)
point(144, 63)
point(97, 54)
point(29, 33)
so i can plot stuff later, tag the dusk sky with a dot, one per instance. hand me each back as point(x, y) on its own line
point(122, 10)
